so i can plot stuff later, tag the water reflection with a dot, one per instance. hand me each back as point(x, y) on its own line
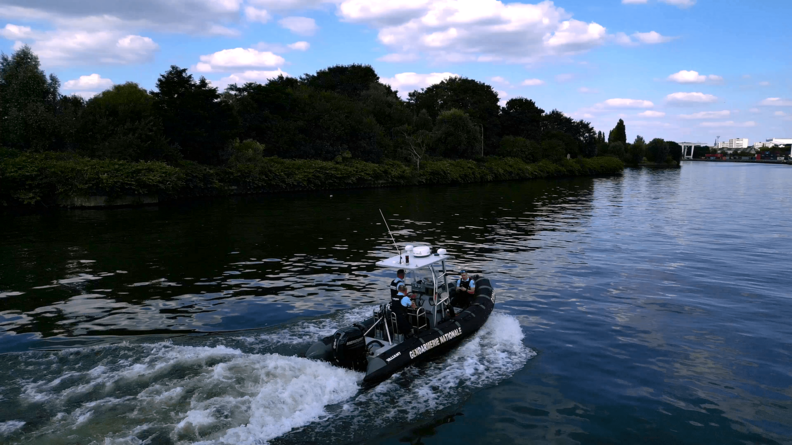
point(658, 301)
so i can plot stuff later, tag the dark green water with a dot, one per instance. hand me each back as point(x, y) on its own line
point(649, 308)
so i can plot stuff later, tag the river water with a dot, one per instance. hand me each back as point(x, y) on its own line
point(652, 307)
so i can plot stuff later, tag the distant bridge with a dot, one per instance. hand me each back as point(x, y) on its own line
point(691, 145)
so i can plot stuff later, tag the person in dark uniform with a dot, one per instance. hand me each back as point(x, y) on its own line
point(465, 289)
point(394, 285)
point(399, 304)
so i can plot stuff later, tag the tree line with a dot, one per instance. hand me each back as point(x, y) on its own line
point(656, 151)
point(341, 112)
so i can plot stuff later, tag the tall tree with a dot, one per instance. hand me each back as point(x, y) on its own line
point(456, 136)
point(120, 124)
point(521, 117)
point(476, 99)
point(618, 134)
point(349, 80)
point(657, 151)
point(193, 116)
point(28, 102)
point(637, 151)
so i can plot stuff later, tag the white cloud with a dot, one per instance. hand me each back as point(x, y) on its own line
point(564, 77)
point(707, 115)
point(482, 30)
point(764, 84)
point(691, 98)
point(754, 110)
point(501, 94)
point(180, 16)
point(289, 5)
point(693, 77)
point(14, 32)
point(650, 113)
point(746, 76)
point(586, 90)
point(651, 37)
point(532, 82)
point(280, 48)
point(728, 124)
point(257, 15)
point(238, 58)
point(303, 26)
point(680, 3)
point(779, 113)
point(91, 82)
point(56, 48)
point(86, 94)
point(406, 82)
point(247, 76)
point(776, 102)
point(627, 103)
point(500, 80)
point(398, 58)
point(637, 38)
point(634, 2)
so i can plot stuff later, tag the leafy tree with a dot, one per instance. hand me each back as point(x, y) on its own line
point(657, 151)
point(603, 149)
point(349, 80)
point(619, 133)
point(455, 136)
point(675, 150)
point(521, 117)
point(120, 124)
point(423, 121)
point(553, 150)
point(247, 152)
point(476, 99)
point(580, 131)
point(617, 150)
point(636, 151)
point(520, 148)
point(28, 102)
point(193, 116)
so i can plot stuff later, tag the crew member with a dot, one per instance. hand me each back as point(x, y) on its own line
point(465, 289)
point(394, 285)
point(399, 304)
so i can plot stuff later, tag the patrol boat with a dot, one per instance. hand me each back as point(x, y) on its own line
point(377, 347)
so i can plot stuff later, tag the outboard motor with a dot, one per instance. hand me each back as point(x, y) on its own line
point(349, 348)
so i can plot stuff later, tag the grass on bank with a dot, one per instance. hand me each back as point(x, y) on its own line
point(51, 178)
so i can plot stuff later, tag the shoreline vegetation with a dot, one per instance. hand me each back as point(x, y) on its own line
point(62, 180)
point(338, 128)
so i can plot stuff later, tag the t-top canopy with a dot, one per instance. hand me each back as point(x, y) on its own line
point(399, 262)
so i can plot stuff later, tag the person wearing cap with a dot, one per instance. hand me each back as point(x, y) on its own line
point(399, 304)
point(394, 285)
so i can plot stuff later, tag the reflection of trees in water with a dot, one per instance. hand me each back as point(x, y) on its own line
point(321, 248)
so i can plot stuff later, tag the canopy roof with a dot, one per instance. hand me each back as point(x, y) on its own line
point(396, 262)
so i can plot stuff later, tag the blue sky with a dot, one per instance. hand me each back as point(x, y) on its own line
point(684, 70)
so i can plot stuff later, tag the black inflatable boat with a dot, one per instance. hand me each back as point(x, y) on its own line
point(442, 318)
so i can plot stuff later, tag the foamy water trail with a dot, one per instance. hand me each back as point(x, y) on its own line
point(233, 393)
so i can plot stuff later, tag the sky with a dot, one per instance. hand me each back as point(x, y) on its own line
point(682, 70)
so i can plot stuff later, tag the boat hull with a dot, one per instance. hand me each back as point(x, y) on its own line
point(424, 346)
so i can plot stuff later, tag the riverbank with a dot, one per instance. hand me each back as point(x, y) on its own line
point(749, 161)
point(63, 180)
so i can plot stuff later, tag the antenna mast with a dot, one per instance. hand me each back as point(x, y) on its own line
point(391, 235)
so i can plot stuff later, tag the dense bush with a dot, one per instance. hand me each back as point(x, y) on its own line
point(52, 178)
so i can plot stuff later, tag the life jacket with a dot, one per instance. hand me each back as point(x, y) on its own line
point(401, 313)
point(465, 283)
point(394, 287)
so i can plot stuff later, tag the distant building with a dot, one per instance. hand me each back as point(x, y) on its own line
point(734, 144)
